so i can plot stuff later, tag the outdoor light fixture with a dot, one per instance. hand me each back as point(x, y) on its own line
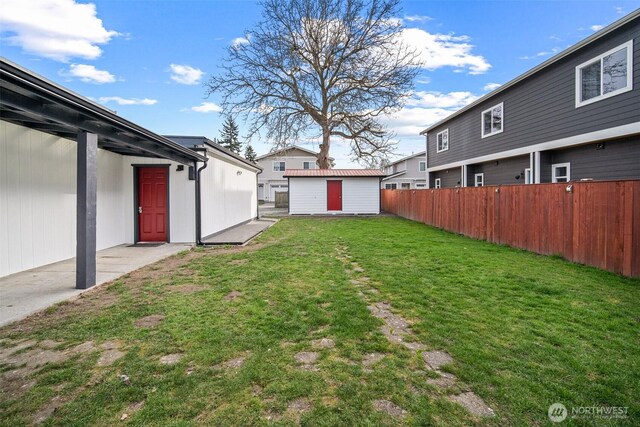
point(180, 168)
point(569, 189)
point(239, 173)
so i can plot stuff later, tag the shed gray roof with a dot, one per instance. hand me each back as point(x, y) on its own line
point(32, 101)
point(603, 32)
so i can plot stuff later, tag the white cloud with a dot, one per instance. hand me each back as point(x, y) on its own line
point(491, 86)
point(445, 50)
point(89, 74)
point(185, 74)
point(418, 18)
point(542, 54)
point(239, 41)
point(424, 80)
point(55, 29)
point(453, 100)
point(207, 107)
point(620, 10)
point(596, 27)
point(127, 101)
point(424, 109)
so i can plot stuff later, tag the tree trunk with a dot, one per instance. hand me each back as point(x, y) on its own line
point(323, 156)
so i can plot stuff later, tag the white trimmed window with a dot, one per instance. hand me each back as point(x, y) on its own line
point(607, 75)
point(421, 185)
point(493, 120)
point(438, 183)
point(528, 176)
point(308, 165)
point(405, 186)
point(442, 139)
point(478, 180)
point(422, 166)
point(390, 186)
point(279, 166)
point(561, 172)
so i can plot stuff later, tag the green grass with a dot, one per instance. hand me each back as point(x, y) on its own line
point(524, 330)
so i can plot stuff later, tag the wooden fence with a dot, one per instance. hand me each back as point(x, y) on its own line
point(282, 199)
point(594, 223)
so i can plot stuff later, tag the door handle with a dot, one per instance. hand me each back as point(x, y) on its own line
point(139, 209)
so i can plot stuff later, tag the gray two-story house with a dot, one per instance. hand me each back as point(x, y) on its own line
point(406, 173)
point(574, 117)
point(275, 163)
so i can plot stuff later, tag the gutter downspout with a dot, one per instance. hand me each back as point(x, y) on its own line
point(198, 197)
point(258, 195)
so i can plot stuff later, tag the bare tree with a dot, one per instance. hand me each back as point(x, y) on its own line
point(327, 68)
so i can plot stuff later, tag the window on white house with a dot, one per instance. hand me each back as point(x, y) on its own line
point(421, 185)
point(391, 186)
point(308, 165)
point(442, 139)
point(438, 183)
point(493, 120)
point(478, 180)
point(561, 172)
point(607, 75)
point(422, 166)
point(279, 166)
point(405, 186)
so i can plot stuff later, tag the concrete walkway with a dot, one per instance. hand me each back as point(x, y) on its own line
point(240, 234)
point(268, 210)
point(27, 292)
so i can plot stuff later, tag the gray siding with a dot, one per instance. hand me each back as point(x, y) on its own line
point(450, 178)
point(542, 107)
point(620, 159)
point(499, 172)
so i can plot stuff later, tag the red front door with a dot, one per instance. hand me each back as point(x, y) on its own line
point(152, 204)
point(334, 195)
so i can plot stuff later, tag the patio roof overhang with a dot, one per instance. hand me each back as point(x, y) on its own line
point(29, 100)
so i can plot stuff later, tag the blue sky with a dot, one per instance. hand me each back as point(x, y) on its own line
point(148, 60)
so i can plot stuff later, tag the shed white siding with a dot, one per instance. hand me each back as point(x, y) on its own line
point(308, 196)
point(228, 194)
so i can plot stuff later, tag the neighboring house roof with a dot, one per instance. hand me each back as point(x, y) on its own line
point(285, 149)
point(596, 36)
point(334, 173)
point(32, 101)
point(394, 175)
point(198, 141)
point(422, 153)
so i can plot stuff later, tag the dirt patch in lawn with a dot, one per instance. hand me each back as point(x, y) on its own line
point(149, 321)
point(232, 295)
point(389, 408)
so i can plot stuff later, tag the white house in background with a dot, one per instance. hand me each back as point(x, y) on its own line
point(274, 165)
point(75, 177)
point(407, 173)
point(334, 191)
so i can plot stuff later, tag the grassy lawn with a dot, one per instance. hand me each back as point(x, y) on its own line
point(524, 331)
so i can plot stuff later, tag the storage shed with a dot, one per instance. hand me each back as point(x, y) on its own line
point(334, 191)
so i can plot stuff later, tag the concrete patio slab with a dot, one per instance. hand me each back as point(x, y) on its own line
point(27, 292)
point(240, 234)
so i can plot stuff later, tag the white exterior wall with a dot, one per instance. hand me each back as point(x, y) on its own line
point(38, 199)
point(309, 195)
point(227, 198)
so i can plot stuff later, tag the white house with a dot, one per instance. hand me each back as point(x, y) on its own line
point(334, 191)
point(274, 165)
point(75, 178)
point(407, 173)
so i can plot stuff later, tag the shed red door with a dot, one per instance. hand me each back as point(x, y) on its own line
point(334, 195)
point(152, 204)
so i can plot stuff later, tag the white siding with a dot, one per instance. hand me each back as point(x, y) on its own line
point(228, 198)
point(38, 199)
point(309, 195)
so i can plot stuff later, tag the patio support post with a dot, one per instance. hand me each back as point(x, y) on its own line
point(87, 181)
